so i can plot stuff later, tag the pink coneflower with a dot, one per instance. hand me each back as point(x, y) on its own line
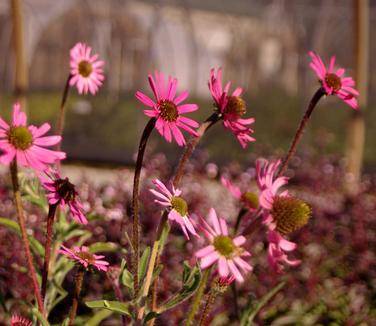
point(20, 321)
point(334, 83)
point(26, 144)
point(281, 211)
point(277, 251)
point(62, 192)
point(231, 107)
point(248, 198)
point(225, 250)
point(83, 256)
point(168, 109)
point(86, 69)
point(176, 204)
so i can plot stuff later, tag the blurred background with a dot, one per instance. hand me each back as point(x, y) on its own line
point(262, 45)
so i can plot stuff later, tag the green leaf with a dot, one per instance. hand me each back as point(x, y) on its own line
point(127, 278)
point(98, 317)
point(39, 316)
point(115, 306)
point(163, 239)
point(144, 263)
point(250, 313)
point(35, 245)
point(191, 280)
point(150, 315)
point(103, 247)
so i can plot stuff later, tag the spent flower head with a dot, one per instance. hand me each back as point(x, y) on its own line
point(167, 108)
point(178, 207)
point(26, 144)
point(62, 192)
point(86, 69)
point(223, 249)
point(232, 108)
point(82, 256)
point(333, 81)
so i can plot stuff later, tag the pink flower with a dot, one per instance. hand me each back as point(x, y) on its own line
point(168, 109)
point(248, 198)
point(278, 247)
point(26, 144)
point(269, 186)
point(225, 250)
point(177, 205)
point(282, 214)
point(86, 69)
point(333, 83)
point(20, 321)
point(231, 107)
point(83, 256)
point(62, 192)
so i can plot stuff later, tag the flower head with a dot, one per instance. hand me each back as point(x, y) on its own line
point(86, 69)
point(167, 108)
point(231, 107)
point(225, 250)
point(20, 321)
point(248, 198)
point(333, 82)
point(176, 204)
point(277, 251)
point(83, 256)
point(26, 143)
point(281, 211)
point(62, 192)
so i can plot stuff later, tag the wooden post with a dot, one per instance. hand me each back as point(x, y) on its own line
point(21, 73)
point(356, 127)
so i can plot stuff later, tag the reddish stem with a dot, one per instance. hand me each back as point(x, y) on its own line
point(299, 133)
point(25, 239)
point(47, 254)
point(135, 202)
point(76, 295)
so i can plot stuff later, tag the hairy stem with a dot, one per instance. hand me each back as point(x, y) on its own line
point(25, 240)
point(191, 145)
point(299, 133)
point(197, 298)
point(135, 202)
point(76, 295)
point(208, 306)
point(47, 248)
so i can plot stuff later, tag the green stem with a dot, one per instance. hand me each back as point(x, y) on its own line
point(153, 258)
point(135, 202)
point(47, 252)
point(25, 239)
point(76, 295)
point(197, 298)
point(299, 133)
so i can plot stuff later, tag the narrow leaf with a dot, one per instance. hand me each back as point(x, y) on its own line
point(114, 306)
point(35, 245)
point(250, 313)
